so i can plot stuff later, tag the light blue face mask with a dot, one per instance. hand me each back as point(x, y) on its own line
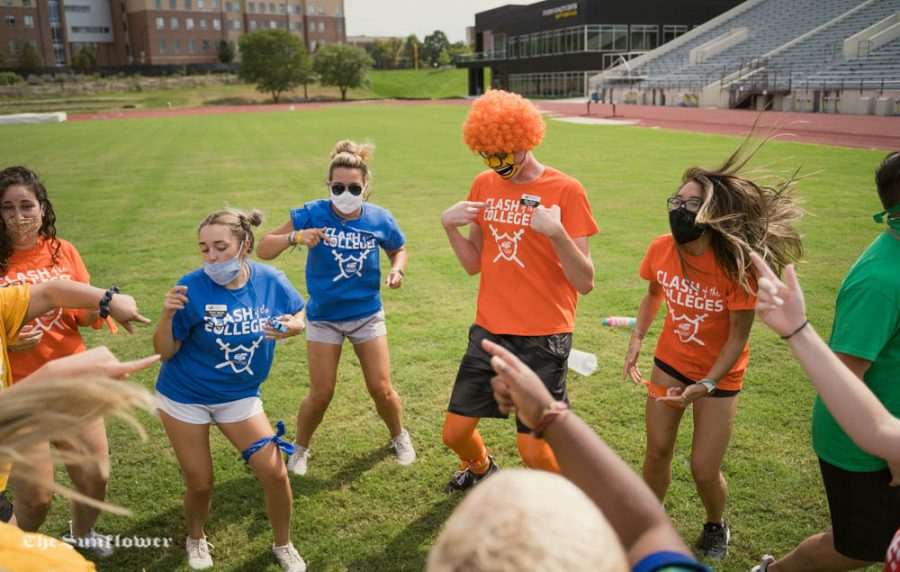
point(894, 223)
point(223, 272)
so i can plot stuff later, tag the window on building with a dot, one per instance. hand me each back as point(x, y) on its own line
point(201, 4)
point(340, 27)
point(173, 4)
point(273, 24)
point(215, 5)
point(310, 10)
point(237, 24)
point(192, 46)
point(272, 8)
point(298, 10)
point(76, 9)
point(14, 47)
point(262, 7)
point(321, 26)
point(252, 25)
point(282, 8)
point(672, 32)
point(217, 24)
point(337, 12)
point(643, 37)
point(162, 46)
point(607, 38)
point(26, 3)
point(188, 23)
point(28, 21)
point(294, 26)
point(10, 21)
point(203, 24)
point(173, 23)
point(205, 45)
point(251, 7)
point(160, 23)
point(188, 5)
point(176, 46)
point(159, 4)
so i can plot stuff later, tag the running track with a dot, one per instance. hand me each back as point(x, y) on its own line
point(865, 131)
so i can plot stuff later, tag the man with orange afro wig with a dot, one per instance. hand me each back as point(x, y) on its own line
point(529, 226)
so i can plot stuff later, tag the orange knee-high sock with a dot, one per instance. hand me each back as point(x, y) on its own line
point(460, 434)
point(536, 453)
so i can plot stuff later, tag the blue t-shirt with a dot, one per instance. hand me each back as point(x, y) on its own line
point(223, 355)
point(343, 276)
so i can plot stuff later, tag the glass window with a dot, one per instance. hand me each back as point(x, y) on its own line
point(159, 4)
point(321, 26)
point(14, 47)
point(273, 24)
point(262, 7)
point(205, 45)
point(217, 24)
point(173, 23)
point(283, 8)
point(215, 5)
point(310, 10)
point(272, 8)
point(192, 46)
point(237, 24)
point(644, 38)
point(173, 4)
point(26, 3)
point(10, 21)
point(251, 7)
point(188, 23)
point(160, 23)
point(162, 46)
point(28, 21)
point(201, 4)
point(176, 46)
point(203, 24)
point(672, 32)
point(188, 5)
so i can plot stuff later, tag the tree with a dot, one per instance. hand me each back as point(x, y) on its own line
point(386, 54)
point(275, 60)
point(409, 51)
point(342, 66)
point(459, 48)
point(85, 61)
point(432, 47)
point(226, 52)
point(31, 58)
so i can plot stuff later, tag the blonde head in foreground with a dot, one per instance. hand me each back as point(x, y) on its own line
point(521, 520)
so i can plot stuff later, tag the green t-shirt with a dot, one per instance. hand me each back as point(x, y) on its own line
point(867, 326)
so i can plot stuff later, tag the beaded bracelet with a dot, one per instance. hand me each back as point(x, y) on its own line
point(107, 298)
point(554, 411)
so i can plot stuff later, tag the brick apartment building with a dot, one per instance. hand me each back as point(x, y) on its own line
point(154, 32)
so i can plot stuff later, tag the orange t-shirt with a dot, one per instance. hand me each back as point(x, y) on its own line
point(523, 290)
point(696, 326)
point(61, 337)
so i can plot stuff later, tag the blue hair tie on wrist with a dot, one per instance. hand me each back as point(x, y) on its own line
point(276, 438)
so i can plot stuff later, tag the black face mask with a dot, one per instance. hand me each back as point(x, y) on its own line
point(684, 226)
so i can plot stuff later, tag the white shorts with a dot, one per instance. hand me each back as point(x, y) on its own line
point(357, 331)
point(200, 414)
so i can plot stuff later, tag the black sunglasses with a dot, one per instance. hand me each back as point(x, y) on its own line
point(354, 188)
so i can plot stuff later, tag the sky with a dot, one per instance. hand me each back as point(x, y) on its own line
point(420, 17)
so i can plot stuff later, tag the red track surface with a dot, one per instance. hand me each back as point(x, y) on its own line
point(843, 130)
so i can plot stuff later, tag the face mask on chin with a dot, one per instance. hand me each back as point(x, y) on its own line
point(684, 226)
point(224, 272)
point(23, 231)
point(885, 216)
point(347, 203)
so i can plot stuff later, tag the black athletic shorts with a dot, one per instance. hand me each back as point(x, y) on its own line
point(865, 511)
point(6, 508)
point(548, 356)
point(666, 368)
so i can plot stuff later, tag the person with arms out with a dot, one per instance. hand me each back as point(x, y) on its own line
point(343, 278)
point(862, 485)
point(703, 272)
point(528, 230)
point(30, 252)
point(217, 338)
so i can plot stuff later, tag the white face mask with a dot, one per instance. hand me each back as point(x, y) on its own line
point(346, 203)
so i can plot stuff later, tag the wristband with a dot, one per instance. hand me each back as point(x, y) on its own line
point(554, 411)
point(107, 298)
point(797, 331)
point(292, 238)
point(639, 333)
point(709, 384)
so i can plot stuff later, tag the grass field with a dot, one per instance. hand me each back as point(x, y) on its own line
point(130, 194)
point(384, 84)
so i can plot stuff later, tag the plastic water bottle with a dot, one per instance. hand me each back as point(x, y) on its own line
point(582, 362)
point(622, 321)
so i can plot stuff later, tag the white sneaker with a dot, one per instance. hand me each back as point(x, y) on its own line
point(198, 553)
point(403, 447)
point(288, 557)
point(298, 460)
point(99, 544)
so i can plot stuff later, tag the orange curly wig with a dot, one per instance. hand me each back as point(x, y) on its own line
point(503, 122)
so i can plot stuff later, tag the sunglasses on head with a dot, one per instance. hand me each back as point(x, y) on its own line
point(339, 188)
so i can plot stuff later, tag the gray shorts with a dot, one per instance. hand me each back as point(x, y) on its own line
point(357, 331)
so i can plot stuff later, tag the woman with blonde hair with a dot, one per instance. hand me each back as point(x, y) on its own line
point(702, 270)
point(343, 280)
point(217, 338)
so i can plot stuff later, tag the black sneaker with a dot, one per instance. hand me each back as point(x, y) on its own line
point(464, 480)
point(713, 542)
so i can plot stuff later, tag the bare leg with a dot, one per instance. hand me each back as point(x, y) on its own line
point(270, 470)
point(376, 365)
point(32, 500)
point(817, 554)
point(713, 423)
point(91, 480)
point(191, 445)
point(323, 362)
point(662, 429)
